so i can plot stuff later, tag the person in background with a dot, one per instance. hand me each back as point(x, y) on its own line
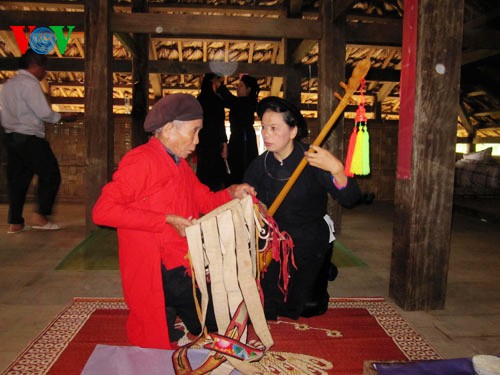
point(153, 197)
point(212, 150)
point(242, 148)
point(303, 211)
point(23, 116)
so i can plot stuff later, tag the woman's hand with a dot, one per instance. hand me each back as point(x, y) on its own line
point(241, 191)
point(179, 223)
point(323, 159)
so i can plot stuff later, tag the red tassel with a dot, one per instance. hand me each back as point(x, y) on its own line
point(350, 152)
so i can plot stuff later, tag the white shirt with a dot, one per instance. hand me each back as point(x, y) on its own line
point(24, 106)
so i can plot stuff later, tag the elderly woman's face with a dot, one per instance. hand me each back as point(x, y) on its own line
point(278, 136)
point(181, 137)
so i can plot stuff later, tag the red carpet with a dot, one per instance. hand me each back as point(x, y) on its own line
point(354, 330)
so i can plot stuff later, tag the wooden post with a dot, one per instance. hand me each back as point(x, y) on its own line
point(98, 116)
point(331, 72)
point(292, 81)
point(140, 79)
point(432, 42)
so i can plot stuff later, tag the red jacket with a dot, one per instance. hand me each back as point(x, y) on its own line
point(146, 187)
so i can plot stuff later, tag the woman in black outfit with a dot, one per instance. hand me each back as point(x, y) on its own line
point(302, 212)
point(242, 147)
point(212, 148)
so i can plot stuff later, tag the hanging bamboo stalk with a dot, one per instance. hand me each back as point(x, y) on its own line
point(352, 85)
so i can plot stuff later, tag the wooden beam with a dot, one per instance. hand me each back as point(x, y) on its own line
point(377, 32)
point(10, 17)
point(482, 39)
point(98, 116)
point(154, 79)
point(342, 7)
point(295, 7)
point(469, 57)
point(69, 64)
point(226, 26)
point(302, 49)
point(465, 119)
point(128, 43)
point(215, 10)
point(487, 113)
point(331, 72)
point(57, 4)
point(140, 80)
point(372, 34)
point(480, 22)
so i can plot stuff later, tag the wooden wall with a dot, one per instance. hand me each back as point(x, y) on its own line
point(69, 144)
point(383, 155)
point(383, 158)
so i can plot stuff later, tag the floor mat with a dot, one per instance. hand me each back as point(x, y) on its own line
point(353, 331)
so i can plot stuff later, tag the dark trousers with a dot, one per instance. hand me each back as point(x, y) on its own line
point(27, 156)
point(179, 300)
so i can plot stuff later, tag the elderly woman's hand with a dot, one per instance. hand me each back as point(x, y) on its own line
point(179, 223)
point(241, 191)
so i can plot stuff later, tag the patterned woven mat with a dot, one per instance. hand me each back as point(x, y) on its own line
point(354, 330)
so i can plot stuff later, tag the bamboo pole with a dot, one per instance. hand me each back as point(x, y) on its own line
point(352, 85)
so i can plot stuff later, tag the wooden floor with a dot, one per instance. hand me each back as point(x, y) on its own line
point(32, 292)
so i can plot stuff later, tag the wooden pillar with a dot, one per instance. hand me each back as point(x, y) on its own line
point(331, 72)
point(98, 116)
point(140, 79)
point(432, 43)
point(292, 87)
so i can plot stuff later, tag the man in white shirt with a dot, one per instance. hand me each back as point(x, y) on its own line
point(23, 116)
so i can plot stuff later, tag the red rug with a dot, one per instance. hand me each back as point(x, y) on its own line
point(353, 330)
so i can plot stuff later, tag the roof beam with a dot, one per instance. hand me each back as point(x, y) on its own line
point(14, 17)
point(177, 24)
point(69, 64)
point(342, 7)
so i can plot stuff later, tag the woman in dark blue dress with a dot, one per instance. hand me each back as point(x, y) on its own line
point(212, 148)
point(242, 148)
point(302, 212)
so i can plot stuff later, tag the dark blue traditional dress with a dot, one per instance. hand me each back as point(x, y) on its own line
point(301, 214)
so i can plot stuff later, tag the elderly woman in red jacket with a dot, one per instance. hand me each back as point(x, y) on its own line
point(152, 198)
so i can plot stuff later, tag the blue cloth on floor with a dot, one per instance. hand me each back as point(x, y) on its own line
point(456, 366)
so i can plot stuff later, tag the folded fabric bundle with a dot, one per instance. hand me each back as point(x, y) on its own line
point(456, 366)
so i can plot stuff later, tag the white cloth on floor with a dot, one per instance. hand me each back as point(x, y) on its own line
point(133, 360)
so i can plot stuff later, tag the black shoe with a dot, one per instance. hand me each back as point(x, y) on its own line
point(333, 271)
point(175, 334)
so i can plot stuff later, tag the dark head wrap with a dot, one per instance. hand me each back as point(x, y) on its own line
point(207, 84)
point(291, 113)
point(181, 107)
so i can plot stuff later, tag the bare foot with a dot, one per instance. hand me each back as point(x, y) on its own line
point(17, 228)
